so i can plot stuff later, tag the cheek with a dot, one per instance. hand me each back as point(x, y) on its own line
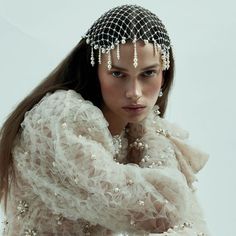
point(108, 88)
point(153, 88)
point(105, 88)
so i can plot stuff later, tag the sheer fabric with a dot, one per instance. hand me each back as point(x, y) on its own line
point(69, 183)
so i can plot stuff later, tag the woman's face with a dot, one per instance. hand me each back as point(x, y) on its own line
point(130, 93)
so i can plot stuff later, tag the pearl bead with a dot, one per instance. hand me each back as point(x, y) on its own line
point(132, 222)
point(64, 125)
point(116, 190)
point(170, 230)
point(141, 203)
point(76, 180)
point(130, 182)
point(159, 163)
point(176, 227)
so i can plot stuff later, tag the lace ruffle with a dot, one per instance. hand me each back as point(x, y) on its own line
point(64, 159)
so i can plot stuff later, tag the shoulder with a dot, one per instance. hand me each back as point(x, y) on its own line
point(52, 103)
point(65, 104)
point(66, 108)
point(171, 129)
point(65, 113)
point(164, 126)
point(59, 101)
point(191, 159)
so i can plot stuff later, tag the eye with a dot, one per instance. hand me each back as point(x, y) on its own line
point(150, 73)
point(117, 74)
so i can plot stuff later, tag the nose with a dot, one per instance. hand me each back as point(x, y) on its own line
point(133, 90)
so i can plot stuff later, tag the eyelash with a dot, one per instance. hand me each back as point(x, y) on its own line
point(153, 73)
point(112, 73)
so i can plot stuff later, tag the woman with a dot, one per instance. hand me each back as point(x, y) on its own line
point(88, 152)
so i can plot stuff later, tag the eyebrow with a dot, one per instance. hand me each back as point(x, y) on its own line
point(146, 68)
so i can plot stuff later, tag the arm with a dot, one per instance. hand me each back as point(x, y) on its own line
point(73, 171)
point(166, 143)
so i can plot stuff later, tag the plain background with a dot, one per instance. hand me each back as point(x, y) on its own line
point(36, 35)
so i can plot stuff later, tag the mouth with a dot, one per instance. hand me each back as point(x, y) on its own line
point(135, 109)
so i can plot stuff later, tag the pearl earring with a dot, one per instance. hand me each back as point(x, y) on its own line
point(160, 93)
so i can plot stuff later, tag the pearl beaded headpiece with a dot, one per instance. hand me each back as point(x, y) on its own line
point(128, 23)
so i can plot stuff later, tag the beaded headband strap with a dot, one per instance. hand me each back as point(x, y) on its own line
point(128, 23)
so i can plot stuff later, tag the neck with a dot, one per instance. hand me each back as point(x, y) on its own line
point(116, 124)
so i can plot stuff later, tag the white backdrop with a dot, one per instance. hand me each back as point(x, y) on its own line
point(35, 36)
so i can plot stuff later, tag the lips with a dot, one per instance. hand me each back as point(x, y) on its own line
point(134, 109)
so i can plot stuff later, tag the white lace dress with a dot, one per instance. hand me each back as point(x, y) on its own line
point(73, 177)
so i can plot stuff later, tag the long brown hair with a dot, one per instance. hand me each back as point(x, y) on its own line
point(74, 72)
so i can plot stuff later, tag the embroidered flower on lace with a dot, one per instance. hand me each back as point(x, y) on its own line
point(87, 229)
point(30, 232)
point(140, 202)
point(162, 132)
point(76, 179)
point(22, 209)
point(117, 142)
point(178, 228)
point(59, 219)
point(132, 222)
point(93, 157)
point(130, 182)
point(116, 190)
point(64, 125)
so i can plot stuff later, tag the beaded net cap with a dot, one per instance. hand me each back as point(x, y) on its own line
point(128, 23)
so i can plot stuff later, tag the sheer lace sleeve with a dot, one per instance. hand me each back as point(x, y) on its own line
point(169, 153)
point(66, 155)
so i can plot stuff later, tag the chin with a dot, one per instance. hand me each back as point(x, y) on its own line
point(136, 120)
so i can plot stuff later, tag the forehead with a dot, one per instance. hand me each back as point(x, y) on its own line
point(146, 55)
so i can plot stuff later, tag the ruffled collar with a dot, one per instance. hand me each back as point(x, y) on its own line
point(152, 129)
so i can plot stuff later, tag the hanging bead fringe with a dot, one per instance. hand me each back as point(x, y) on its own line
point(100, 56)
point(109, 64)
point(135, 62)
point(118, 52)
point(92, 57)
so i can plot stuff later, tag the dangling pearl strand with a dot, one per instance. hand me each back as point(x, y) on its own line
point(118, 52)
point(109, 64)
point(135, 62)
